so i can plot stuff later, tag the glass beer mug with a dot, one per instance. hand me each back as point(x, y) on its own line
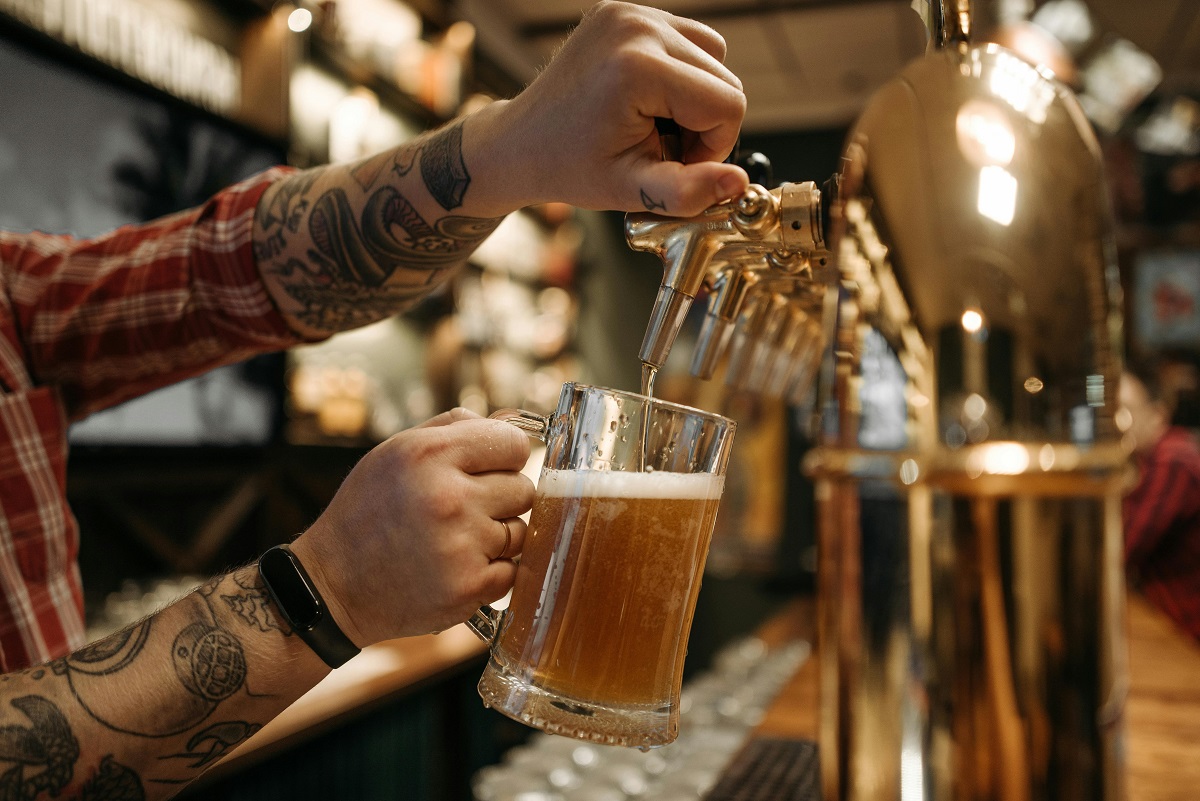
point(593, 640)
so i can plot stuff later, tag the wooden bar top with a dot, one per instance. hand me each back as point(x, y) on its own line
point(381, 671)
point(1162, 714)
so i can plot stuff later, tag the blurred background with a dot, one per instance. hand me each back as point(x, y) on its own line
point(122, 110)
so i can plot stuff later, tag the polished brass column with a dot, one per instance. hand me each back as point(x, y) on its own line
point(970, 578)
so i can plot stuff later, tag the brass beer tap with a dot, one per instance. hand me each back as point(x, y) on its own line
point(728, 248)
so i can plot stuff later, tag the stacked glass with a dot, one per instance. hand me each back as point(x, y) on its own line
point(717, 711)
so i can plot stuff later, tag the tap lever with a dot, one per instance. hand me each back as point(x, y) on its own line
point(758, 168)
point(670, 138)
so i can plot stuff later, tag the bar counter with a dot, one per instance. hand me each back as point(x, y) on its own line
point(377, 677)
point(1162, 714)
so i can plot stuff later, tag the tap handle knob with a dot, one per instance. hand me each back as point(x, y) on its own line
point(758, 167)
point(831, 192)
point(670, 137)
point(756, 213)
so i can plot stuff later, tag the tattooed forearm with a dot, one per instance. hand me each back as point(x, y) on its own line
point(252, 604)
point(348, 245)
point(443, 169)
point(146, 710)
point(41, 755)
point(213, 742)
point(209, 663)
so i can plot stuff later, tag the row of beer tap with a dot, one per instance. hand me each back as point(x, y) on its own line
point(770, 281)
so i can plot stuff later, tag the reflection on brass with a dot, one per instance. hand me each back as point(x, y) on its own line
point(962, 303)
point(973, 244)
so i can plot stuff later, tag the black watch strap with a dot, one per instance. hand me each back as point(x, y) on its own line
point(300, 604)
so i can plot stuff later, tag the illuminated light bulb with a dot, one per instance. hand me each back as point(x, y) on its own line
point(1005, 459)
point(975, 407)
point(300, 20)
point(1046, 456)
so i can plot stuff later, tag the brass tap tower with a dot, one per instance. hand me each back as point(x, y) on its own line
point(763, 259)
point(970, 583)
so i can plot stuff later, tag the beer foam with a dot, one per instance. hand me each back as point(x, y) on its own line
point(616, 484)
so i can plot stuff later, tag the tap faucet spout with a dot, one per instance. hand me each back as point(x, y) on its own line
point(725, 248)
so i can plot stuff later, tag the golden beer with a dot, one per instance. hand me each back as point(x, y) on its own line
point(631, 548)
point(592, 642)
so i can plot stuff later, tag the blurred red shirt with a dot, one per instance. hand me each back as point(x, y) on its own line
point(1162, 528)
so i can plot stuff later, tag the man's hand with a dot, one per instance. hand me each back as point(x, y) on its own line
point(347, 244)
point(409, 543)
point(583, 132)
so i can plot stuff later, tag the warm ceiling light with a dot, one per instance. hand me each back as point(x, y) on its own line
point(975, 407)
point(1001, 459)
point(300, 20)
point(972, 321)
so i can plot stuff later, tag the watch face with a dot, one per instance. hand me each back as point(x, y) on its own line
point(293, 593)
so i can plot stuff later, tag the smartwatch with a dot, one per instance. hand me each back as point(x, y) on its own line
point(300, 604)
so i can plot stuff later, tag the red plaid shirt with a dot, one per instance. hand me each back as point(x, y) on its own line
point(86, 324)
point(1162, 528)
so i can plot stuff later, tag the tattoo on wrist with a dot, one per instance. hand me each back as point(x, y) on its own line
point(252, 604)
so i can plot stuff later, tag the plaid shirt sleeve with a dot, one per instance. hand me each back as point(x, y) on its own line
point(85, 325)
point(106, 319)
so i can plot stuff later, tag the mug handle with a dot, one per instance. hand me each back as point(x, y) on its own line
point(485, 622)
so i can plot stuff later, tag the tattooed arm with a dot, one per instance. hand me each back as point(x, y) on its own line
point(410, 544)
point(344, 245)
point(143, 712)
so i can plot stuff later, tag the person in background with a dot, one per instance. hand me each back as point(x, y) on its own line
point(1162, 512)
point(1179, 378)
point(425, 527)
